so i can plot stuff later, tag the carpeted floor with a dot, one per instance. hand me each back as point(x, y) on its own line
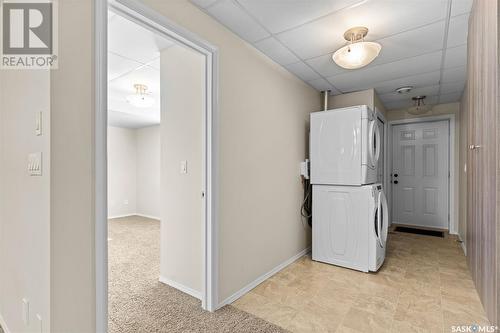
point(139, 303)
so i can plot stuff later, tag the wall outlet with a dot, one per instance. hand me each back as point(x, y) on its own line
point(26, 311)
point(125, 202)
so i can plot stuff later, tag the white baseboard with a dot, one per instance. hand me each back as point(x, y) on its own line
point(263, 277)
point(119, 216)
point(133, 214)
point(181, 287)
point(148, 216)
point(4, 325)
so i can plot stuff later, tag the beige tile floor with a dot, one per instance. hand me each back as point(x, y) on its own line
point(423, 286)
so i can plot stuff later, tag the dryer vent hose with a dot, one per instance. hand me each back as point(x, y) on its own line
point(306, 209)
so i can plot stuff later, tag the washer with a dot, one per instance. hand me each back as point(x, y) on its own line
point(345, 146)
point(349, 226)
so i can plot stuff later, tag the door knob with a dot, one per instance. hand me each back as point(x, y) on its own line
point(472, 147)
point(395, 182)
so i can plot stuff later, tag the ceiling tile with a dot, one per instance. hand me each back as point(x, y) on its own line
point(351, 81)
point(455, 87)
point(457, 33)
point(454, 74)
point(131, 120)
point(303, 71)
point(325, 65)
point(456, 56)
point(460, 7)
point(321, 85)
point(416, 81)
point(278, 16)
point(155, 63)
point(203, 3)
point(118, 65)
point(276, 51)
point(411, 43)
point(325, 35)
point(450, 98)
point(237, 20)
point(133, 41)
point(394, 96)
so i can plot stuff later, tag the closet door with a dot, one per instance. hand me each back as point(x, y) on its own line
point(482, 155)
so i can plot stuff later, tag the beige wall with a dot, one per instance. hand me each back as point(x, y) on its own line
point(441, 109)
point(263, 124)
point(148, 171)
point(364, 97)
point(122, 171)
point(24, 200)
point(72, 259)
point(182, 106)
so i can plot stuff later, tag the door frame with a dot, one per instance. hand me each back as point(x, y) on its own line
point(452, 186)
point(146, 16)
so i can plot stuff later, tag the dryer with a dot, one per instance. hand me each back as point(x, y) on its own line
point(345, 146)
point(350, 225)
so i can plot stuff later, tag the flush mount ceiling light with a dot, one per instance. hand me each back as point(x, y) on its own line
point(404, 90)
point(419, 107)
point(357, 53)
point(141, 98)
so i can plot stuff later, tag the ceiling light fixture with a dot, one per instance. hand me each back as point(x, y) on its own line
point(141, 98)
point(357, 53)
point(419, 107)
point(404, 90)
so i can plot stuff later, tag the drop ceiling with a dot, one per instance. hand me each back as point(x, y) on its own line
point(133, 57)
point(423, 42)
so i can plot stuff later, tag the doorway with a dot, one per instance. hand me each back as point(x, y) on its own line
point(420, 174)
point(146, 18)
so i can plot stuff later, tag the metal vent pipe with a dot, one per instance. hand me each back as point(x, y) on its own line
point(325, 99)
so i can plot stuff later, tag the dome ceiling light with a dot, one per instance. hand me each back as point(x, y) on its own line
point(357, 53)
point(141, 98)
point(419, 107)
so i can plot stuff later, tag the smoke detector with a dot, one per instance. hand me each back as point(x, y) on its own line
point(404, 90)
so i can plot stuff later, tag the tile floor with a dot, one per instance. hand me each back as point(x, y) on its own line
point(423, 286)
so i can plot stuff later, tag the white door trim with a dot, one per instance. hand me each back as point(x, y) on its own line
point(144, 15)
point(453, 223)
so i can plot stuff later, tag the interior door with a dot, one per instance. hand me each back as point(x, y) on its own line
point(420, 174)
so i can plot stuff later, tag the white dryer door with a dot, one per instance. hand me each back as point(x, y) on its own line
point(335, 147)
point(374, 143)
point(382, 219)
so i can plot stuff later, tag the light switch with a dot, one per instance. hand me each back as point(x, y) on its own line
point(184, 167)
point(35, 164)
point(38, 123)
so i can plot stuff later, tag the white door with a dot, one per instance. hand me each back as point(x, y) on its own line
point(420, 174)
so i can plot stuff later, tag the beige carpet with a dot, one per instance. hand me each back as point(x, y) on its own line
point(139, 303)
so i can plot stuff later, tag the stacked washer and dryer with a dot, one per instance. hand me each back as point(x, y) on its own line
point(349, 208)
